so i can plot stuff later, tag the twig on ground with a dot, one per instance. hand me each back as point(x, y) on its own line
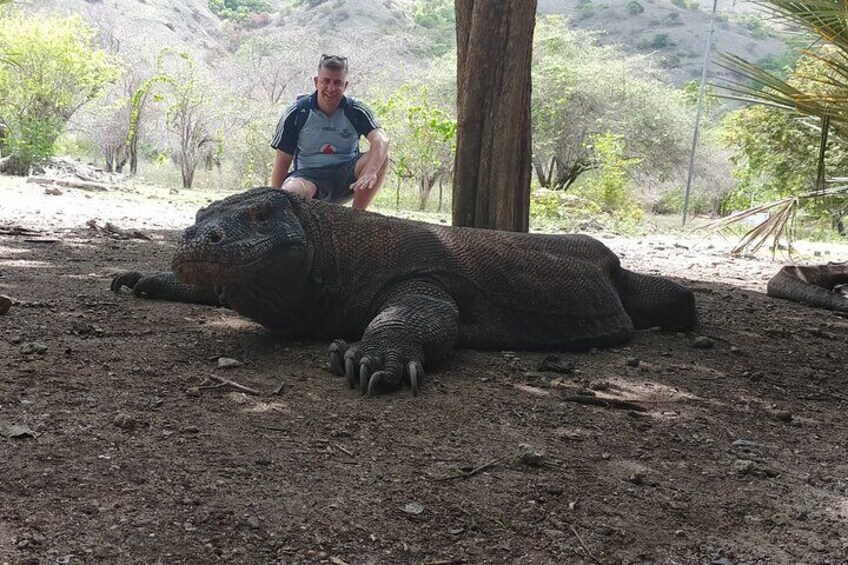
point(227, 383)
point(266, 436)
point(456, 561)
point(472, 472)
point(271, 428)
point(119, 233)
point(583, 544)
point(604, 402)
point(343, 450)
point(17, 230)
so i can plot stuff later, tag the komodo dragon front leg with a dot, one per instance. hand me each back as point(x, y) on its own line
point(415, 323)
point(165, 286)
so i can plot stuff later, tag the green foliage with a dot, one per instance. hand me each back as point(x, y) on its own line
point(777, 151)
point(423, 135)
point(581, 90)
point(435, 22)
point(686, 4)
point(671, 202)
point(238, 10)
point(660, 41)
point(190, 114)
point(634, 8)
point(609, 185)
point(755, 24)
point(50, 67)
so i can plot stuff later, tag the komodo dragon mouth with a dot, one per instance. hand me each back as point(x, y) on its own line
point(224, 265)
point(215, 272)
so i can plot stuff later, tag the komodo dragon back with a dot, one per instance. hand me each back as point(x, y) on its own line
point(397, 295)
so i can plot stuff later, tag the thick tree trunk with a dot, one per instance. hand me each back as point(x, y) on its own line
point(493, 160)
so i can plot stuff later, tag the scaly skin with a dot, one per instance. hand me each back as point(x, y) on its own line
point(813, 286)
point(406, 293)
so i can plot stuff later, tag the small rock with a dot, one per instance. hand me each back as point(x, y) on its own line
point(632, 362)
point(253, 522)
point(721, 561)
point(5, 304)
point(737, 350)
point(599, 385)
point(192, 391)
point(637, 479)
point(125, 421)
point(702, 342)
point(531, 457)
point(605, 456)
point(227, 363)
point(414, 508)
point(32, 347)
point(554, 364)
point(16, 432)
point(744, 444)
point(782, 415)
point(81, 327)
point(744, 466)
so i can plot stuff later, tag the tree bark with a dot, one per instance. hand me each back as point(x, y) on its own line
point(493, 163)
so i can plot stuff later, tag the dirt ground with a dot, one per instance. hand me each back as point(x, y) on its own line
point(119, 453)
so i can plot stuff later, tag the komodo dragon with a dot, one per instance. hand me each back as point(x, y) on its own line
point(407, 291)
point(813, 285)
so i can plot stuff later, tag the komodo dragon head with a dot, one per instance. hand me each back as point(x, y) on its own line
point(248, 237)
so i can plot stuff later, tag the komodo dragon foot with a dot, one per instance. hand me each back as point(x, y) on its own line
point(377, 366)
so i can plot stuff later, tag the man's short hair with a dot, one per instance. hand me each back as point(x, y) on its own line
point(333, 62)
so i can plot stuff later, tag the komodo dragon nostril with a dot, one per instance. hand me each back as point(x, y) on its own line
point(216, 236)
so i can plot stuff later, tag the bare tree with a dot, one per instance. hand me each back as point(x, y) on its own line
point(493, 159)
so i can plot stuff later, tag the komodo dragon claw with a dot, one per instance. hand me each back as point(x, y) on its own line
point(126, 279)
point(336, 354)
point(369, 373)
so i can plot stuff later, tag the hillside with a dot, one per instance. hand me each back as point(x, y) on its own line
point(673, 32)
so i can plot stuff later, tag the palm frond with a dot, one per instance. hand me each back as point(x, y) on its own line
point(824, 18)
point(780, 223)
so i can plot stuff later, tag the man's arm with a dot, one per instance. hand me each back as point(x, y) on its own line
point(282, 162)
point(374, 158)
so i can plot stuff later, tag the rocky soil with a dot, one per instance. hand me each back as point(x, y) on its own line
point(122, 441)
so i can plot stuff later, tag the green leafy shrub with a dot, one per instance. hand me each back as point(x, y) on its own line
point(238, 10)
point(660, 41)
point(49, 68)
point(634, 8)
point(609, 184)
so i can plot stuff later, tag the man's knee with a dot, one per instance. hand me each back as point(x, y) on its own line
point(300, 186)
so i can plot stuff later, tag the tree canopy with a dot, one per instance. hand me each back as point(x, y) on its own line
point(48, 69)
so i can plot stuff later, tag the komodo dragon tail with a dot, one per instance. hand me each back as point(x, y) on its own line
point(811, 285)
point(655, 302)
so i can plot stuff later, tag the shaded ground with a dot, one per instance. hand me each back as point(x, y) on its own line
point(739, 458)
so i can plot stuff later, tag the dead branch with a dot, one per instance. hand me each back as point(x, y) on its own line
point(472, 472)
point(604, 402)
point(583, 544)
point(222, 382)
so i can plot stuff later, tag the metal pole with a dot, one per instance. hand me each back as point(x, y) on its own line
point(698, 112)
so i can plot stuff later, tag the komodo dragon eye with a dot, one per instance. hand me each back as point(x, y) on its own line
point(261, 216)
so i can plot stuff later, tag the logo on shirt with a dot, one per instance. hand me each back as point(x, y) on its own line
point(345, 133)
point(329, 149)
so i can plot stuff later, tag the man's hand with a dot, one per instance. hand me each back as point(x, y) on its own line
point(365, 182)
